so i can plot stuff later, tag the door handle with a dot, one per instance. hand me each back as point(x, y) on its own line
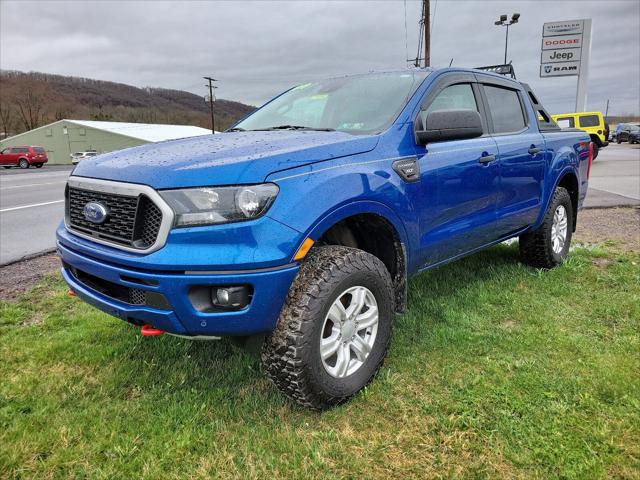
point(487, 158)
point(534, 150)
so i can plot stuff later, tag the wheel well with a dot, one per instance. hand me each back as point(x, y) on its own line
point(375, 235)
point(570, 183)
point(596, 139)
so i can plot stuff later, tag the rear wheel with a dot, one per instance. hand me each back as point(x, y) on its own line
point(334, 329)
point(23, 163)
point(548, 246)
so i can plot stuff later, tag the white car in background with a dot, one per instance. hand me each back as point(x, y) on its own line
point(79, 156)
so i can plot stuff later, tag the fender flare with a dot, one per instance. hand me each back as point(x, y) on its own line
point(559, 177)
point(383, 211)
point(335, 215)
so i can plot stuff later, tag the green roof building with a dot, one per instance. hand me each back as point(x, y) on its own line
point(64, 137)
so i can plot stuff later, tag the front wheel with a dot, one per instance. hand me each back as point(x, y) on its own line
point(38, 165)
point(23, 164)
point(548, 246)
point(334, 329)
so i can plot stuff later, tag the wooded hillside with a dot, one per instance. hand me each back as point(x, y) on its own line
point(30, 100)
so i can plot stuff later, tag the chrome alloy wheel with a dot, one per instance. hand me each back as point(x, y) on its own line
point(349, 332)
point(559, 229)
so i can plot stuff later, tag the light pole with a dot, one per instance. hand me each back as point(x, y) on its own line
point(502, 21)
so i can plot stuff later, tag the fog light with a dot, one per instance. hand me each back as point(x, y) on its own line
point(235, 297)
point(223, 296)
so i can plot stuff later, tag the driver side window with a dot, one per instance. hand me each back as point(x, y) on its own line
point(453, 97)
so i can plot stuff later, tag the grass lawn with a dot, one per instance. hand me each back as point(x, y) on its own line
point(497, 370)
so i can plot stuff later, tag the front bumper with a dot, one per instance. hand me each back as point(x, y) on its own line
point(179, 316)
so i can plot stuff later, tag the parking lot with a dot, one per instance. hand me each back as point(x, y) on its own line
point(31, 202)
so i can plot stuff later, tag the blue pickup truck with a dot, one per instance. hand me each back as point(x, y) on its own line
point(301, 225)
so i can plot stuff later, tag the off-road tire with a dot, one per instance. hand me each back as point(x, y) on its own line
point(596, 150)
point(24, 164)
point(290, 354)
point(536, 247)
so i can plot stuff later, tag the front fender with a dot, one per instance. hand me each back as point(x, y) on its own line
point(313, 200)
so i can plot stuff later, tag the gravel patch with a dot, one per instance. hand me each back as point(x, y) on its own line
point(19, 277)
point(619, 225)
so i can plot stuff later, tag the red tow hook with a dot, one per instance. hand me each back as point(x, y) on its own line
point(148, 331)
point(71, 293)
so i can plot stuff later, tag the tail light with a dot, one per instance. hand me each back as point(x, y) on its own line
point(590, 159)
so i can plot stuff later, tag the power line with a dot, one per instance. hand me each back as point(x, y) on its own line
point(406, 41)
point(420, 38)
point(433, 19)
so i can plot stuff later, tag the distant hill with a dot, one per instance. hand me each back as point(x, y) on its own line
point(30, 100)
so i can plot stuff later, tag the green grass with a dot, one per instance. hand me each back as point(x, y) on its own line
point(497, 370)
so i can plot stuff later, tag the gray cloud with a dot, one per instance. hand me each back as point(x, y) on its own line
point(257, 49)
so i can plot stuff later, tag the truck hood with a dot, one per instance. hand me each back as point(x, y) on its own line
point(222, 159)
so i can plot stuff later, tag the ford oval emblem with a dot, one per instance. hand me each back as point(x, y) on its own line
point(95, 212)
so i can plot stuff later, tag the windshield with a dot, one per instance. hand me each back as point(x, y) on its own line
point(358, 104)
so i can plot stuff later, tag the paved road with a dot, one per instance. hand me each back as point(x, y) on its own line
point(615, 177)
point(31, 202)
point(31, 205)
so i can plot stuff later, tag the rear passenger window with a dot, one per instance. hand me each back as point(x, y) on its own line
point(506, 109)
point(589, 121)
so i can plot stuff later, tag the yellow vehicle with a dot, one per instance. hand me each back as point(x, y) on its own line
point(591, 122)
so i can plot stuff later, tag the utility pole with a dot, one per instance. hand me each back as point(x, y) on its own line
point(606, 111)
point(211, 87)
point(426, 18)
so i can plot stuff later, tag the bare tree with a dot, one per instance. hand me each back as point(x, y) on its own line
point(30, 102)
point(6, 117)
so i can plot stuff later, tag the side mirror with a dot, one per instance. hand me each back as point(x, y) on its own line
point(443, 125)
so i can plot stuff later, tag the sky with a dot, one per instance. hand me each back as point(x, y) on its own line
point(256, 49)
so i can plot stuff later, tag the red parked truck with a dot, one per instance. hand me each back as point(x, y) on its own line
point(23, 157)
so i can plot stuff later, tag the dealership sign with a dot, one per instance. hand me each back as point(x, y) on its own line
point(561, 55)
point(562, 41)
point(564, 52)
point(559, 69)
point(570, 27)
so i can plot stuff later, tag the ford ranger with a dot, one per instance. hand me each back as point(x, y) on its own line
point(301, 225)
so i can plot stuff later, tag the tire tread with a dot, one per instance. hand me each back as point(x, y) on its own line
point(282, 350)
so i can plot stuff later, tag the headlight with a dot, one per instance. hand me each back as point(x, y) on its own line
point(210, 205)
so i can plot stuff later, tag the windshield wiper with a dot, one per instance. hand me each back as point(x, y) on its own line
point(298, 127)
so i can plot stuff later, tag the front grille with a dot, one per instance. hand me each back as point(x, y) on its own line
point(131, 296)
point(137, 296)
point(132, 221)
